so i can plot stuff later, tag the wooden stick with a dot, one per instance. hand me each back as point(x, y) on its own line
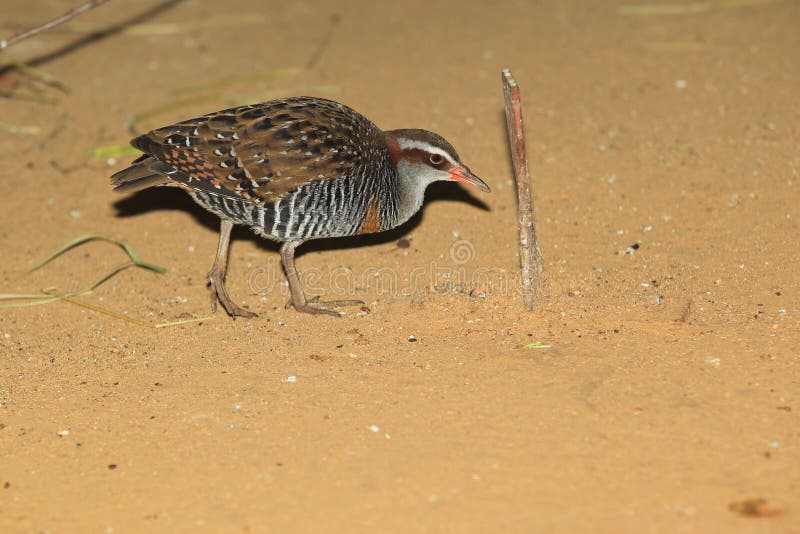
point(69, 15)
point(530, 257)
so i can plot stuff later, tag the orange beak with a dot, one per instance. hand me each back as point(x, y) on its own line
point(464, 175)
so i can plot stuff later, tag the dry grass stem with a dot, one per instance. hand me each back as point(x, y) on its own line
point(530, 256)
point(69, 15)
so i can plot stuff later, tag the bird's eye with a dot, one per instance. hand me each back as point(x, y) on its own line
point(436, 159)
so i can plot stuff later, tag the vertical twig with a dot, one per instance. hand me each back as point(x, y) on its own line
point(69, 15)
point(530, 257)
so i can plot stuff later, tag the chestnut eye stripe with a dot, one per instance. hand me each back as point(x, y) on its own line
point(428, 150)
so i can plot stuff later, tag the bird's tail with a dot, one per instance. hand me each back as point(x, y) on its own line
point(143, 173)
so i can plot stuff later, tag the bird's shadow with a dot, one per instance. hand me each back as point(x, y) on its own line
point(173, 198)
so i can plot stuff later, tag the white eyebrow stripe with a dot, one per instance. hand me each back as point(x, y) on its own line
point(406, 144)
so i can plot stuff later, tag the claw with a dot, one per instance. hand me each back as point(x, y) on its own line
point(216, 287)
point(321, 307)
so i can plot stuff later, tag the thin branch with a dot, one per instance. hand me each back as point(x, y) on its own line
point(69, 15)
point(530, 256)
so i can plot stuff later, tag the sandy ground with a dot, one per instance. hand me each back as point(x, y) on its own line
point(655, 390)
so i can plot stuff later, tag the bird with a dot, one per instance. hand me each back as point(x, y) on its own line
point(292, 170)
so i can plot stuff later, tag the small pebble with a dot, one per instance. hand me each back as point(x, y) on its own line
point(374, 428)
point(63, 433)
point(412, 339)
point(631, 249)
point(291, 379)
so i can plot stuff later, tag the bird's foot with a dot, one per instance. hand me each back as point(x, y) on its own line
point(216, 287)
point(315, 306)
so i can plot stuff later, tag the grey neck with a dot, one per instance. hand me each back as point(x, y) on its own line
point(413, 179)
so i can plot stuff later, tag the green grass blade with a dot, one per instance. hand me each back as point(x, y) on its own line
point(113, 151)
point(99, 237)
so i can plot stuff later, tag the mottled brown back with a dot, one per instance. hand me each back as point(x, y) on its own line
point(263, 152)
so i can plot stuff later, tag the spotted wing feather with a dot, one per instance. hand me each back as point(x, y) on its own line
point(264, 152)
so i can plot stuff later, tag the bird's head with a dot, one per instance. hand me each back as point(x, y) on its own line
point(423, 157)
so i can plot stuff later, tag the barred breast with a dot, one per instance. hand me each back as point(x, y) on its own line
point(332, 208)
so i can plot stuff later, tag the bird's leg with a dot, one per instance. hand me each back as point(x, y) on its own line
point(298, 297)
point(216, 276)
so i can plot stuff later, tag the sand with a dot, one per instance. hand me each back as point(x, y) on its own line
point(655, 390)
